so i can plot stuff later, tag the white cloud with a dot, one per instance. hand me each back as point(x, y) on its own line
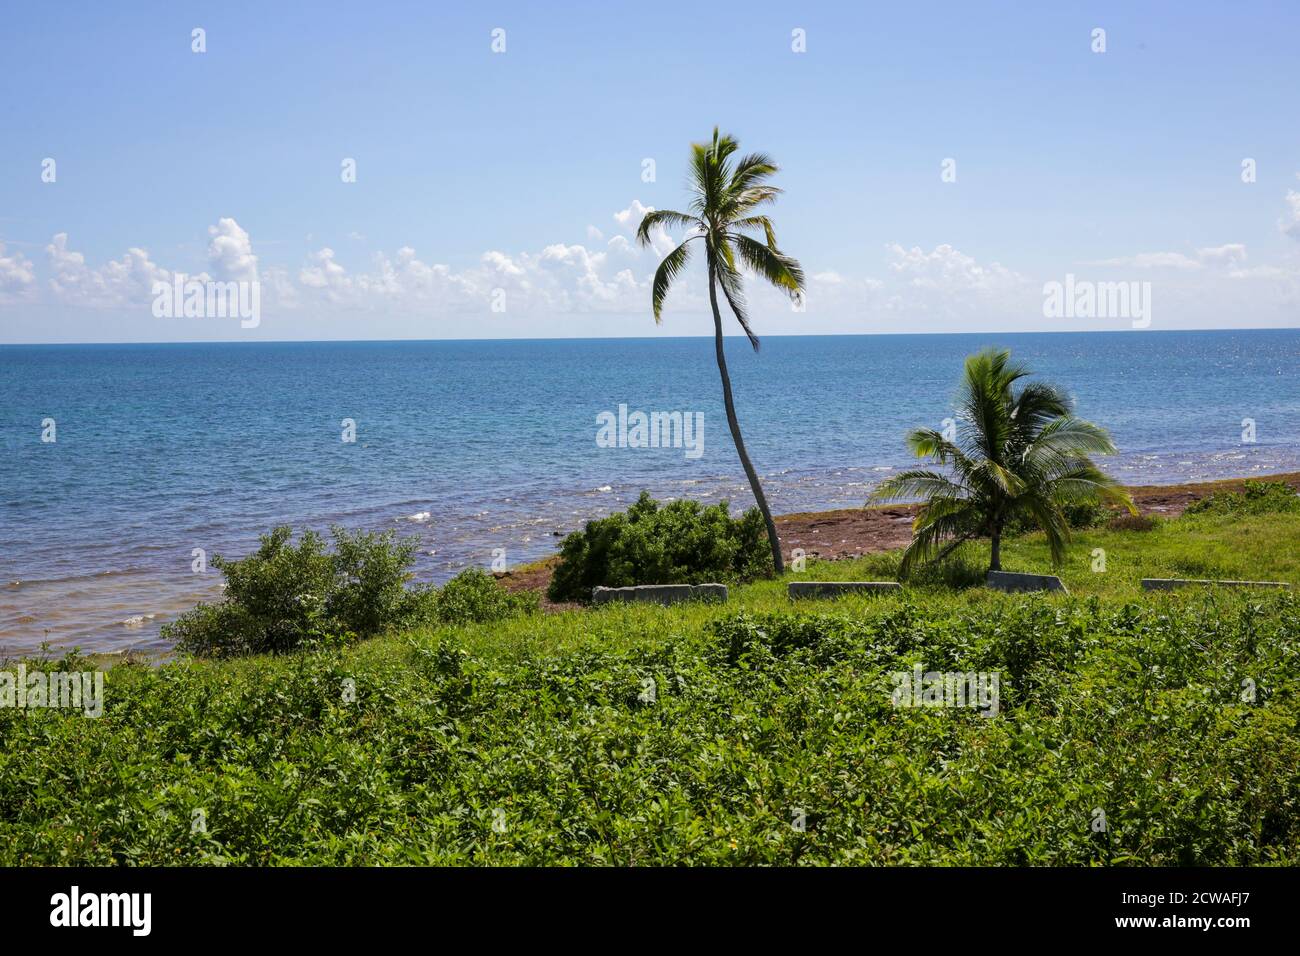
point(118, 282)
point(630, 218)
point(17, 276)
point(1227, 256)
point(1151, 260)
point(1291, 222)
point(916, 288)
point(946, 269)
point(231, 251)
point(324, 273)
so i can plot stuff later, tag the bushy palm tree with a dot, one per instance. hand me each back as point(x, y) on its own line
point(726, 194)
point(1021, 454)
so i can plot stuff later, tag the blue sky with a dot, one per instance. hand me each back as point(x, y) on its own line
point(480, 171)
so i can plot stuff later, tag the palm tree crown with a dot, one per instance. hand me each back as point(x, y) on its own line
point(1021, 454)
point(725, 195)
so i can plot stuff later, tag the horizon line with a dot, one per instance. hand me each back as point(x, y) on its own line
point(617, 338)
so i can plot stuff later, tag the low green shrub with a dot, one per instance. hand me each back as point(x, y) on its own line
point(682, 542)
point(1257, 497)
point(1079, 515)
point(475, 597)
point(285, 596)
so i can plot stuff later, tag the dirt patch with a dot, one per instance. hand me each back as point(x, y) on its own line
point(848, 532)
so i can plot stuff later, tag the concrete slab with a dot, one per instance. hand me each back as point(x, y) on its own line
point(830, 589)
point(1170, 584)
point(1015, 582)
point(660, 593)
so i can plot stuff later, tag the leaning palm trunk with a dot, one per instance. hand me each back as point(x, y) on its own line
point(734, 424)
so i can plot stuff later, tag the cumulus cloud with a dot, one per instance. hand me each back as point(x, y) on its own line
point(129, 281)
point(559, 278)
point(948, 270)
point(609, 273)
point(231, 251)
point(630, 218)
point(17, 276)
point(118, 282)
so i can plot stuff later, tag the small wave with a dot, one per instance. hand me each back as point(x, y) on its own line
point(605, 488)
point(138, 620)
point(419, 517)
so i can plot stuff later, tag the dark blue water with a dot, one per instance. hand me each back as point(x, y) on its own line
point(472, 446)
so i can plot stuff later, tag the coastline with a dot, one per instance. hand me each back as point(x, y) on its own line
point(832, 535)
point(825, 535)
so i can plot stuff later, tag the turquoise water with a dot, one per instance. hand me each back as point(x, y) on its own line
point(474, 446)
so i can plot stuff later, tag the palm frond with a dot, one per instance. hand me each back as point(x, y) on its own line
point(665, 218)
point(777, 268)
point(668, 270)
point(928, 443)
point(732, 289)
point(915, 483)
point(758, 222)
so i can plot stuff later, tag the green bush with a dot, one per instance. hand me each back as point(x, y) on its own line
point(1257, 497)
point(1079, 515)
point(475, 597)
point(681, 542)
point(284, 596)
point(276, 599)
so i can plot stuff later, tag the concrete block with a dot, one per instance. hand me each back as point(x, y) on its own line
point(660, 593)
point(1170, 584)
point(1015, 582)
point(830, 589)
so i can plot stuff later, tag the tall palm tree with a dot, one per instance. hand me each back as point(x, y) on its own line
point(1022, 454)
point(725, 195)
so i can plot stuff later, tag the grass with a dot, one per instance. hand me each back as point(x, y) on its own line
point(756, 732)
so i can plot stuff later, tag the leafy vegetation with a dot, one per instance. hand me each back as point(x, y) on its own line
point(682, 542)
point(699, 734)
point(286, 596)
point(1078, 515)
point(1021, 457)
point(475, 597)
point(1255, 498)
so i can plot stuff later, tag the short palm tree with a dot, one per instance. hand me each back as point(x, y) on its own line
point(726, 194)
point(1021, 454)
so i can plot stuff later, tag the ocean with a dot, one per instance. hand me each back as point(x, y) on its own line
point(474, 446)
